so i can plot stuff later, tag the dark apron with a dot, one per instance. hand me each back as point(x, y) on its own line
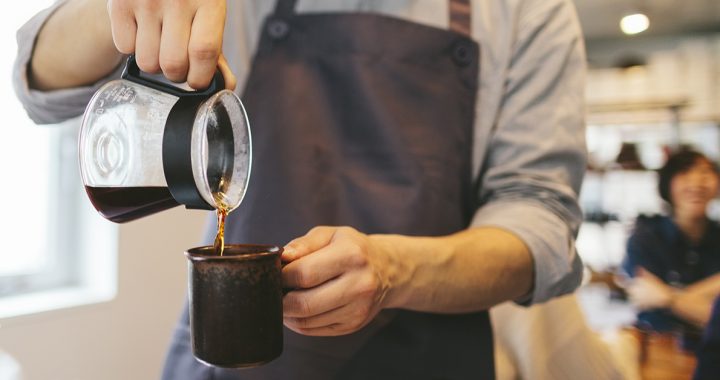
point(360, 120)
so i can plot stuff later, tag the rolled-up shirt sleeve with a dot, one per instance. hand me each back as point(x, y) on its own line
point(536, 155)
point(47, 107)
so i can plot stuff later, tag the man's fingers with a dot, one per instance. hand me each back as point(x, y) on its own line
point(124, 28)
point(339, 321)
point(343, 313)
point(147, 42)
point(230, 80)
point(332, 294)
point(174, 44)
point(331, 330)
point(312, 270)
point(181, 39)
point(205, 45)
point(311, 302)
point(315, 239)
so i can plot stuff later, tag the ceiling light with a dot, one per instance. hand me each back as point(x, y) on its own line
point(634, 23)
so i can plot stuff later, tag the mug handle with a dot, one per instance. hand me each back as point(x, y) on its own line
point(282, 265)
point(133, 73)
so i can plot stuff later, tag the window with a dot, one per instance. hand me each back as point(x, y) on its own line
point(56, 251)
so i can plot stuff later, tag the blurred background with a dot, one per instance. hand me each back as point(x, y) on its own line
point(647, 93)
point(80, 296)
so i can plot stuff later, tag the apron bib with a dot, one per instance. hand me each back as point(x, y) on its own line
point(361, 120)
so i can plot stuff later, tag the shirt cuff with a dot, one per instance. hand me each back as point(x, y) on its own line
point(47, 107)
point(557, 267)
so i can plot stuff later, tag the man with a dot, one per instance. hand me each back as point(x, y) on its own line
point(440, 145)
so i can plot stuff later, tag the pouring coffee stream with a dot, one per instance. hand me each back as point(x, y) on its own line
point(222, 212)
point(147, 145)
point(219, 244)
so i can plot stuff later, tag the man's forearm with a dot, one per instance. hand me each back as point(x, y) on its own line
point(74, 47)
point(465, 272)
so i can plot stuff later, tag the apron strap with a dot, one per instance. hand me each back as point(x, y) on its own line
point(285, 8)
point(460, 16)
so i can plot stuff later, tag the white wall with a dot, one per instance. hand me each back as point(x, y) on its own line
point(127, 337)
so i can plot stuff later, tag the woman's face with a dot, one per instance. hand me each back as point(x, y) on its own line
point(693, 189)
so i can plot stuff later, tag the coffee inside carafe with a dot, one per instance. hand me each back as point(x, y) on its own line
point(123, 204)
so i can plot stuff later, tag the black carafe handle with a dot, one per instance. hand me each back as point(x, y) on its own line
point(133, 73)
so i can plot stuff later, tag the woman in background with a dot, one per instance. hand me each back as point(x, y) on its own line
point(675, 259)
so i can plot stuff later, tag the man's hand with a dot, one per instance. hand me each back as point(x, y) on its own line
point(341, 278)
point(181, 38)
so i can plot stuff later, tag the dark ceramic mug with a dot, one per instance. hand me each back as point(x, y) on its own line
point(235, 304)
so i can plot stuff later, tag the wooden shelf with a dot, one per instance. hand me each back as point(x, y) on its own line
point(636, 105)
point(649, 111)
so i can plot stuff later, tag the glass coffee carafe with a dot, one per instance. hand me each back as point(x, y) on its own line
point(147, 145)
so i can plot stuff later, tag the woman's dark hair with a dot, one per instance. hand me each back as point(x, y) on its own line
point(678, 162)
